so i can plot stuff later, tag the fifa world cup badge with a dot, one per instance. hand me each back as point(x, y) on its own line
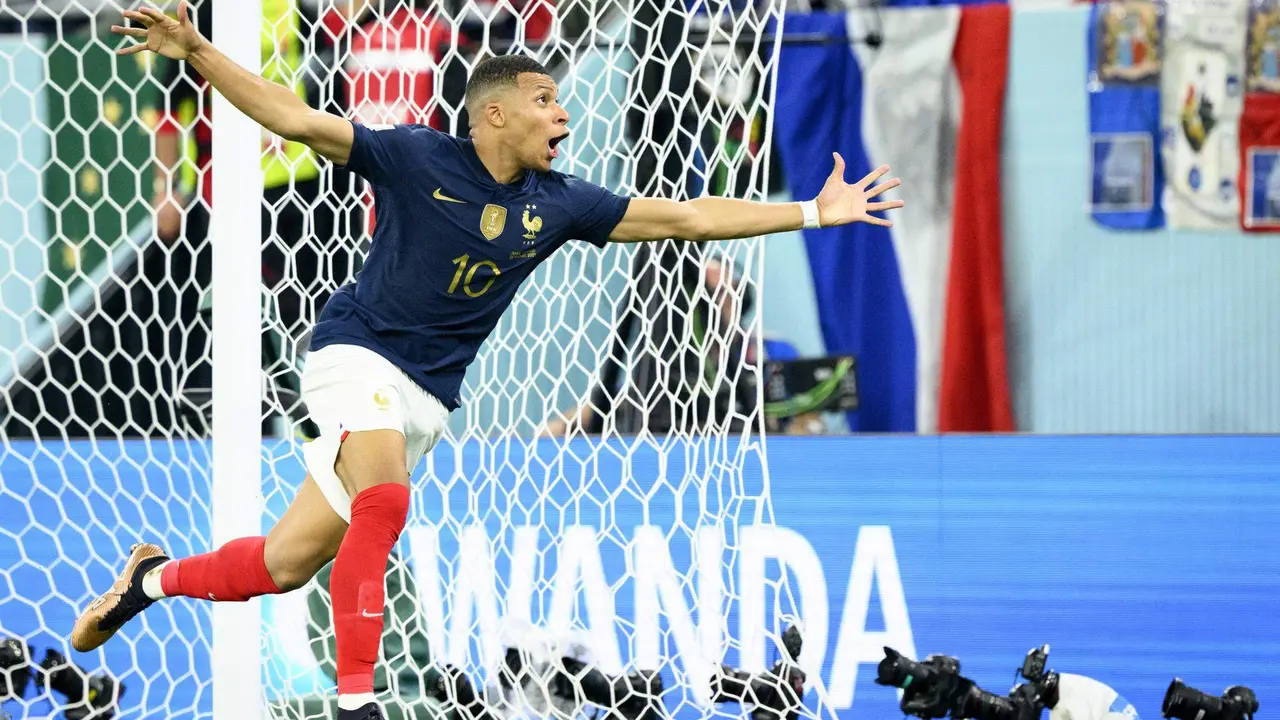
point(492, 221)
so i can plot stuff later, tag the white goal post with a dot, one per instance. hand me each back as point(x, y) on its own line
point(236, 497)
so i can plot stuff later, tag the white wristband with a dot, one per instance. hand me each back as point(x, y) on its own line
point(810, 210)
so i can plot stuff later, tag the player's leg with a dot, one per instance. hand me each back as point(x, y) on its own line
point(373, 464)
point(304, 539)
point(301, 542)
point(372, 468)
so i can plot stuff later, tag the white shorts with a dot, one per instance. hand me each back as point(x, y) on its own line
point(348, 388)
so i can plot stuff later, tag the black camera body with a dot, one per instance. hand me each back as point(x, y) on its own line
point(15, 668)
point(935, 688)
point(89, 697)
point(1040, 690)
point(564, 683)
point(553, 683)
point(772, 695)
point(930, 689)
point(637, 695)
point(1184, 702)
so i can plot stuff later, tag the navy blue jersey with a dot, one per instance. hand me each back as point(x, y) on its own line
point(450, 248)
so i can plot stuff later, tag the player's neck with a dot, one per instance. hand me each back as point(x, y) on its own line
point(501, 165)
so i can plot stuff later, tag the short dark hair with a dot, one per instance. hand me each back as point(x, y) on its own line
point(497, 72)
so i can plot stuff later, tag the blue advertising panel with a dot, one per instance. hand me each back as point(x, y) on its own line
point(1136, 559)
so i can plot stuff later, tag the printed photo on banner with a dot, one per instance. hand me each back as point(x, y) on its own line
point(1262, 196)
point(1128, 42)
point(1122, 173)
point(1262, 50)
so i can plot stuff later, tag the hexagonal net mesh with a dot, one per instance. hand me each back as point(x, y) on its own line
point(602, 495)
point(98, 319)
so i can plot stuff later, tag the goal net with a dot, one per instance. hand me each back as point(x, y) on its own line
point(602, 496)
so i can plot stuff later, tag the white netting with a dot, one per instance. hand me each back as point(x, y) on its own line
point(643, 535)
point(96, 319)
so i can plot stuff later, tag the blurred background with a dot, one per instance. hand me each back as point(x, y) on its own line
point(1086, 326)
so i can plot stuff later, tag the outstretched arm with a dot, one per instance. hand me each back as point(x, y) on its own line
point(715, 218)
point(274, 107)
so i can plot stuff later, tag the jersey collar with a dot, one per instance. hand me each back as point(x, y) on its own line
point(482, 172)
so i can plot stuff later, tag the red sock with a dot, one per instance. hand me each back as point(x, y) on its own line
point(234, 572)
point(357, 584)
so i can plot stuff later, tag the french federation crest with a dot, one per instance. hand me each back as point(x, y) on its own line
point(492, 221)
point(1129, 42)
point(1262, 51)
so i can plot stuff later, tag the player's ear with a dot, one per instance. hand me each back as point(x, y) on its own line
point(494, 114)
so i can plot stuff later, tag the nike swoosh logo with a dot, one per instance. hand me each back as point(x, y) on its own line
point(366, 613)
point(441, 196)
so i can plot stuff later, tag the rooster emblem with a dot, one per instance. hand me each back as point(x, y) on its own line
point(532, 224)
point(1198, 118)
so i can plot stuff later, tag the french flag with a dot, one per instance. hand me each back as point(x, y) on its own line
point(921, 304)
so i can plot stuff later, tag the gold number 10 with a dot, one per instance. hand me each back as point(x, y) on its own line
point(461, 262)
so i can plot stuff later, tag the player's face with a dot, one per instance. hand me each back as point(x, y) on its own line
point(538, 120)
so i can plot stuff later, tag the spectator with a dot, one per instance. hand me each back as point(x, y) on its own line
point(703, 394)
point(301, 263)
point(392, 64)
point(530, 24)
point(394, 59)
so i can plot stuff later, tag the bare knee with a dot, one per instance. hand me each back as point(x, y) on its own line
point(304, 540)
point(292, 567)
point(290, 579)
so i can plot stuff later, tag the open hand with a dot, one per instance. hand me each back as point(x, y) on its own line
point(840, 203)
point(160, 33)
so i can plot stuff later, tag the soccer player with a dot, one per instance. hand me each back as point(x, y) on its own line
point(461, 223)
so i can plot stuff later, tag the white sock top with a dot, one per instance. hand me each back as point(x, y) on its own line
point(355, 702)
point(151, 581)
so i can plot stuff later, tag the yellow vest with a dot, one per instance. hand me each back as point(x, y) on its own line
point(282, 63)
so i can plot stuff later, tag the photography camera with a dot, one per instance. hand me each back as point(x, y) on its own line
point(556, 679)
point(775, 694)
point(930, 689)
point(636, 695)
point(1184, 702)
point(89, 697)
point(935, 688)
point(15, 668)
point(552, 684)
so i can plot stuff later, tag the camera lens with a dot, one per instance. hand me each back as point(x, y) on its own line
point(1185, 703)
point(982, 705)
point(901, 672)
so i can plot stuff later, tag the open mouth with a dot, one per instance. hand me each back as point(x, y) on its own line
point(553, 142)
